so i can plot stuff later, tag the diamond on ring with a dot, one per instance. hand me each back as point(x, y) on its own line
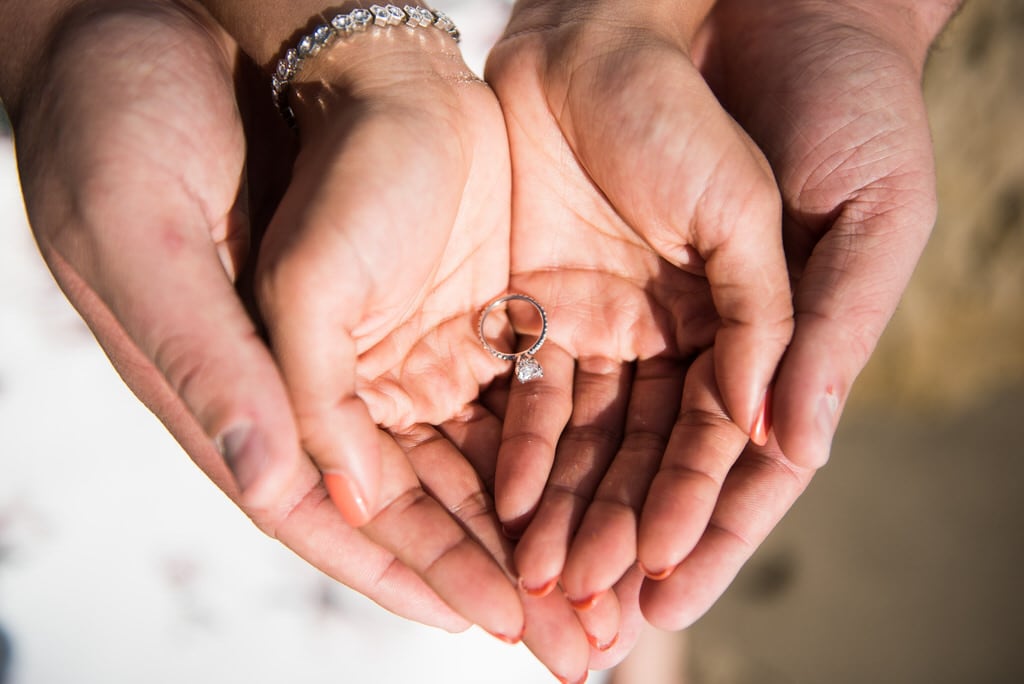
point(528, 369)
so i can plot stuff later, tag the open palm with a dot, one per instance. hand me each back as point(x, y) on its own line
point(647, 224)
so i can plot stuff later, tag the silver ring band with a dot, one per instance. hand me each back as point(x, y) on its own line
point(527, 367)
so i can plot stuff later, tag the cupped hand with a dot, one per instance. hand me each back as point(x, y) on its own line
point(132, 156)
point(831, 92)
point(648, 225)
point(392, 236)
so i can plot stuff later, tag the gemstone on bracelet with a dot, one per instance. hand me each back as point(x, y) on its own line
point(342, 23)
point(307, 47)
point(361, 18)
point(323, 34)
point(395, 15)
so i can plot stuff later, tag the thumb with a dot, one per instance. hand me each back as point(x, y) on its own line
point(843, 300)
point(154, 291)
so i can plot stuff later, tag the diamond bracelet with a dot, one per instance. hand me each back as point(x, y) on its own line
point(342, 26)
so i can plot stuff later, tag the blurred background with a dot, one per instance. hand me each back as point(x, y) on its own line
point(120, 562)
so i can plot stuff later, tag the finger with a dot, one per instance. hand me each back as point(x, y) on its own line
point(535, 414)
point(631, 621)
point(553, 632)
point(760, 488)
point(702, 448)
point(601, 619)
point(422, 534)
point(318, 362)
point(129, 212)
point(585, 448)
point(605, 546)
point(170, 320)
point(844, 299)
point(316, 531)
point(476, 433)
point(301, 518)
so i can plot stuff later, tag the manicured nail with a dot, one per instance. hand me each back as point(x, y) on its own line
point(244, 453)
point(541, 591)
point(588, 602)
point(348, 498)
point(763, 421)
point(510, 640)
point(566, 680)
point(602, 646)
point(657, 576)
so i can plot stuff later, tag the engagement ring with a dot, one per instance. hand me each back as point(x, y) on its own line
point(527, 367)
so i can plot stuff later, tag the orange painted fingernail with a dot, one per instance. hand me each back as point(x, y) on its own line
point(348, 498)
point(763, 421)
point(599, 646)
point(510, 640)
point(566, 680)
point(657, 576)
point(588, 602)
point(541, 591)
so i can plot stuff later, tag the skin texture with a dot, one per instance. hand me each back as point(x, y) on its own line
point(831, 93)
point(637, 223)
point(159, 168)
point(142, 154)
point(299, 307)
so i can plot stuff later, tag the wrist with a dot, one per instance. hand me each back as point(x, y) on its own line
point(391, 66)
point(678, 20)
point(910, 26)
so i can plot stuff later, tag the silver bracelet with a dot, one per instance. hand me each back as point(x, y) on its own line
point(342, 26)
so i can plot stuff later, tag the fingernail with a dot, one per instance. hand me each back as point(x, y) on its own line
point(588, 602)
point(348, 498)
point(763, 420)
point(598, 645)
point(509, 640)
point(828, 412)
point(244, 453)
point(657, 576)
point(566, 680)
point(541, 591)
